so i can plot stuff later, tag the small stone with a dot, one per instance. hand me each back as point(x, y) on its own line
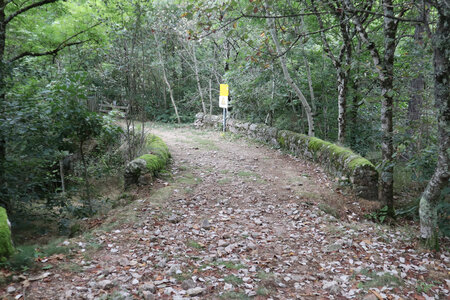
point(148, 286)
point(195, 291)
point(174, 219)
point(251, 245)
point(173, 269)
point(148, 295)
point(188, 284)
point(206, 225)
point(105, 284)
point(10, 289)
point(257, 221)
point(370, 296)
point(332, 286)
point(168, 291)
point(227, 286)
point(222, 243)
point(135, 281)
point(123, 262)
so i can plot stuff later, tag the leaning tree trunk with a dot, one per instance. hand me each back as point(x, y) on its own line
point(441, 62)
point(169, 87)
point(307, 108)
point(197, 77)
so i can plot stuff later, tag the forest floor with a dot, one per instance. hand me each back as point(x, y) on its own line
point(237, 220)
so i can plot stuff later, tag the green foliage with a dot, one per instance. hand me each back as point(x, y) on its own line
point(25, 257)
point(6, 247)
point(378, 216)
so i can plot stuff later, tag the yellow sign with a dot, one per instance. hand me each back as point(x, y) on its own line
point(224, 90)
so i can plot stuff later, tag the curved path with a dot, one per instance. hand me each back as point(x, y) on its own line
point(239, 220)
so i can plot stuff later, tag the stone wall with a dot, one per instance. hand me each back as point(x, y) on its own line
point(336, 160)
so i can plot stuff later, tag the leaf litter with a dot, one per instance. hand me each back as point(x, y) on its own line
point(259, 234)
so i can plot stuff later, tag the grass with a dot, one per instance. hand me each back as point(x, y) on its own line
point(188, 178)
point(247, 174)
point(194, 244)
point(226, 180)
point(205, 144)
point(383, 280)
point(309, 195)
point(26, 255)
point(233, 279)
point(71, 267)
point(262, 291)
point(234, 295)
point(230, 265)
point(329, 210)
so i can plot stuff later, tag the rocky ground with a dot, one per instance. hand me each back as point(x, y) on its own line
point(239, 220)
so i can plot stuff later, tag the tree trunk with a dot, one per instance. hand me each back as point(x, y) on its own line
point(387, 140)
point(417, 86)
point(310, 85)
point(439, 180)
point(197, 77)
point(210, 96)
point(3, 200)
point(287, 76)
point(385, 70)
point(87, 201)
point(166, 80)
point(342, 77)
point(341, 64)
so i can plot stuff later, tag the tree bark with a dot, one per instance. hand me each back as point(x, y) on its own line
point(3, 199)
point(417, 84)
point(439, 180)
point(287, 76)
point(387, 141)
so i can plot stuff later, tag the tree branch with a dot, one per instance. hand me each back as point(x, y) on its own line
point(61, 46)
point(50, 52)
point(285, 16)
point(26, 8)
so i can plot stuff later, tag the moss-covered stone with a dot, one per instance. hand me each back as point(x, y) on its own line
point(360, 162)
point(6, 247)
point(149, 164)
point(158, 155)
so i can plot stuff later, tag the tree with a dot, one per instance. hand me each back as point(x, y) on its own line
point(441, 62)
point(287, 76)
point(10, 11)
point(342, 62)
point(384, 67)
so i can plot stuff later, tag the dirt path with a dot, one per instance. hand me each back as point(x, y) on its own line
point(239, 220)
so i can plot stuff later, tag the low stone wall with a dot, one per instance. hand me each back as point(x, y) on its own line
point(336, 160)
point(142, 169)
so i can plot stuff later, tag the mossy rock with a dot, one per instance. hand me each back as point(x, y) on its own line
point(151, 163)
point(6, 247)
point(158, 154)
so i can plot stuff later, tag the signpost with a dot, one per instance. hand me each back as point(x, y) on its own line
point(223, 102)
